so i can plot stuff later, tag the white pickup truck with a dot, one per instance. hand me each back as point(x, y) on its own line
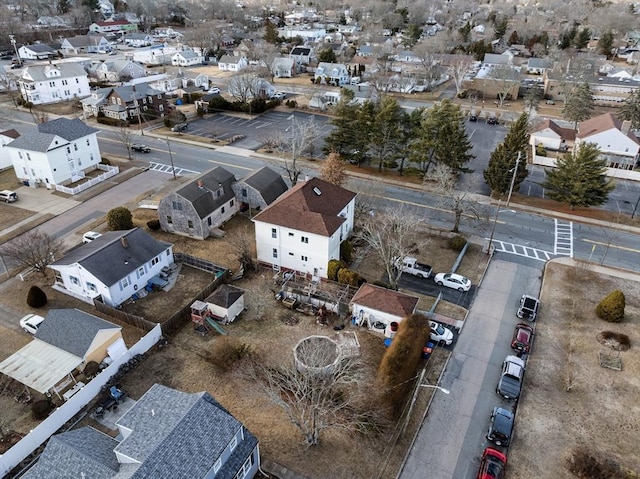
point(412, 266)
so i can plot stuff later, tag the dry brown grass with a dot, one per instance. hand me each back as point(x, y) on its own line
point(569, 400)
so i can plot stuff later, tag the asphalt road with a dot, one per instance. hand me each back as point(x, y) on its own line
point(429, 288)
point(452, 437)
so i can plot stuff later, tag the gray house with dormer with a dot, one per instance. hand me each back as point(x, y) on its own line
point(201, 206)
point(166, 434)
point(114, 266)
point(259, 189)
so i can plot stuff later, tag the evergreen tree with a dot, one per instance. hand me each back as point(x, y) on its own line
point(63, 6)
point(579, 104)
point(605, 44)
point(631, 109)
point(341, 138)
point(327, 55)
point(385, 138)
point(579, 178)
point(500, 27)
point(533, 97)
point(499, 172)
point(271, 33)
point(581, 40)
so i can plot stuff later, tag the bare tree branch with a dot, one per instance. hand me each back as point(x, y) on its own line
point(33, 250)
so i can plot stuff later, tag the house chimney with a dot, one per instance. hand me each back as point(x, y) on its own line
point(199, 183)
point(306, 178)
point(124, 242)
point(626, 127)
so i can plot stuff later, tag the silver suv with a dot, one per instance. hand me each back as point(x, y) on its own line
point(511, 379)
point(8, 196)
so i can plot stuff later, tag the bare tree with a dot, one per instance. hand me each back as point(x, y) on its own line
point(298, 139)
point(125, 137)
point(391, 234)
point(332, 169)
point(245, 86)
point(368, 199)
point(265, 54)
point(316, 399)
point(457, 70)
point(244, 248)
point(458, 202)
point(427, 52)
point(33, 250)
point(505, 79)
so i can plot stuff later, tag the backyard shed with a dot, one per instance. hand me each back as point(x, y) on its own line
point(376, 307)
point(226, 303)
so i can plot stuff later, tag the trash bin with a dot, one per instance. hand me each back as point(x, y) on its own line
point(391, 330)
point(387, 342)
point(25, 182)
point(427, 350)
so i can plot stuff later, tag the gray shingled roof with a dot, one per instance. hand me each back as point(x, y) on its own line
point(72, 330)
point(225, 296)
point(269, 183)
point(203, 198)
point(67, 70)
point(109, 261)
point(42, 137)
point(176, 434)
point(130, 93)
point(82, 452)
point(84, 40)
point(40, 48)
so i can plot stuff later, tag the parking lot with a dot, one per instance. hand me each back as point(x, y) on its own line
point(257, 130)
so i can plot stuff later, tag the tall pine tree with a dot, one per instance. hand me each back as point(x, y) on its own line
point(579, 178)
point(578, 104)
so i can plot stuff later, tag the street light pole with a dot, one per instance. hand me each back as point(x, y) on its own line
point(173, 169)
point(446, 391)
point(513, 179)
point(493, 228)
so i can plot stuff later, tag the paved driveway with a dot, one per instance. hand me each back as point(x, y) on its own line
point(452, 437)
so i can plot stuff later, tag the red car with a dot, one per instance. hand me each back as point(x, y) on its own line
point(522, 338)
point(492, 465)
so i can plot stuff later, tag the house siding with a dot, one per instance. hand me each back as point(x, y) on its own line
point(98, 350)
point(229, 313)
point(373, 314)
point(253, 197)
point(547, 137)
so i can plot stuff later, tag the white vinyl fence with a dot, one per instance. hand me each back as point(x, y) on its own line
point(69, 409)
point(109, 171)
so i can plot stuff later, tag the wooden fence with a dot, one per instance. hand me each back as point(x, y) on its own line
point(199, 263)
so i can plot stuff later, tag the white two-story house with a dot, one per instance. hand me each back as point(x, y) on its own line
point(55, 153)
point(41, 84)
point(303, 229)
point(332, 74)
point(617, 143)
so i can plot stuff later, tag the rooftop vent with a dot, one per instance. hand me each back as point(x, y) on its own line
point(317, 191)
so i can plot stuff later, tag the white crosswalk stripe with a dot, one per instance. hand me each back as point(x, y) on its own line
point(564, 238)
point(520, 250)
point(167, 169)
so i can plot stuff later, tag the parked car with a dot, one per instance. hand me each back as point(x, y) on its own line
point(440, 334)
point(31, 322)
point(180, 127)
point(492, 120)
point(528, 307)
point(501, 426)
point(473, 118)
point(90, 236)
point(452, 280)
point(8, 196)
point(214, 90)
point(492, 464)
point(522, 338)
point(139, 147)
point(551, 102)
point(510, 382)
point(279, 95)
point(412, 266)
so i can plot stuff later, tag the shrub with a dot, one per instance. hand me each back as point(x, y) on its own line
point(457, 243)
point(36, 298)
point(390, 164)
point(105, 161)
point(219, 103)
point(346, 251)
point(41, 409)
point(292, 103)
point(540, 150)
point(119, 218)
point(111, 121)
point(346, 276)
point(153, 225)
point(400, 362)
point(228, 351)
point(333, 268)
point(617, 341)
point(611, 308)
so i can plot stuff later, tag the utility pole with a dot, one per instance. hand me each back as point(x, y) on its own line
point(513, 179)
point(135, 97)
point(635, 208)
point(493, 228)
point(293, 140)
point(173, 169)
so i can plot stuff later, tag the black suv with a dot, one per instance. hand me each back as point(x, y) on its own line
point(510, 382)
point(492, 120)
point(500, 427)
point(140, 148)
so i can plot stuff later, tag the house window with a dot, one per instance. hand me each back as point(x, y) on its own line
point(274, 252)
point(176, 205)
point(29, 156)
point(209, 220)
point(75, 147)
point(124, 283)
point(161, 107)
point(304, 258)
point(218, 193)
point(217, 465)
point(74, 280)
point(69, 149)
point(245, 469)
point(233, 443)
point(77, 81)
point(290, 254)
point(140, 272)
point(274, 233)
point(231, 203)
point(169, 220)
point(222, 210)
point(113, 100)
point(189, 224)
point(290, 234)
point(20, 154)
point(144, 100)
point(304, 239)
point(88, 142)
point(92, 287)
point(244, 192)
point(159, 96)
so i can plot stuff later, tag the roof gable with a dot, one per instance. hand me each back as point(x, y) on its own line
point(267, 182)
point(202, 192)
point(385, 300)
point(72, 330)
point(563, 133)
point(597, 125)
point(312, 206)
point(115, 254)
point(225, 296)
